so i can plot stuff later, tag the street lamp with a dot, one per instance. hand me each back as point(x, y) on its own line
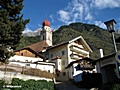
point(111, 28)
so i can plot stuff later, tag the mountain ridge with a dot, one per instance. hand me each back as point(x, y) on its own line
point(32, 33)
point(96, 37)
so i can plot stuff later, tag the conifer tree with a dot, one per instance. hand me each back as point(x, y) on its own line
point(11, 26)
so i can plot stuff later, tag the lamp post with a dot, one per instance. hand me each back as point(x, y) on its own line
point(111, 28)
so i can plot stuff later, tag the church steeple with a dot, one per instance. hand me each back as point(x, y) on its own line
point(46, 33)
point(46, 23)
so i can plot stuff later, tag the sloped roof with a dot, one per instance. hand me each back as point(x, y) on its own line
point(105, 57)
point(77, 61)
point(39, 46)
point(66, 42)
point(59, 44)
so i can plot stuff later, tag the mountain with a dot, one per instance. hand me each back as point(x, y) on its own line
point(96, 37)
point(32, 33)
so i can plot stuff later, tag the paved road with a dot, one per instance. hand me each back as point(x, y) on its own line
point(67, 85)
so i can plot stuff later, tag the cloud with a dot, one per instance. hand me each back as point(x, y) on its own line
point(77, 10)
point(105, 3)
point(100, 24)
point(39, 25)
point(27, 29)
point(89, 17)
point(64, 15)
point(85, 11)
point(51, 16)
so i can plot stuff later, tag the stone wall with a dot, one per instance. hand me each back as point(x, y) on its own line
point(9, 75)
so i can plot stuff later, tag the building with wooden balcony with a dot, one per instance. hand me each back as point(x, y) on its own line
point(66, 52)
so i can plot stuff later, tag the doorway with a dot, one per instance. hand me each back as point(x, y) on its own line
point(109, 73)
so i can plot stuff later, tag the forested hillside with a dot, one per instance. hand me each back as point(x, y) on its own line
point(95, 36)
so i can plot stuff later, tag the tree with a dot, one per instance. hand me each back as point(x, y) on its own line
point(11, 26)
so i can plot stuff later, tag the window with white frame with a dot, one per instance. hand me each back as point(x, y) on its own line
point(59, 63)
point(63, 62)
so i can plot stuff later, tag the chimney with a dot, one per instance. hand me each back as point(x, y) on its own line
point(100, 53)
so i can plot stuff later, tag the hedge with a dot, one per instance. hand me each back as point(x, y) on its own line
point(31, 84)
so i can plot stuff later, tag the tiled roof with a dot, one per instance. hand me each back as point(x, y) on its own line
point(56, 57)
point(69, 41)
point(57, 45)
point(39, 46)
point(77, 61)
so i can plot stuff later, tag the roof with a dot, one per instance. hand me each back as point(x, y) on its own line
point(56, 57)
point(77, 61)
point(46, 23)
point(44, 63)
point(32, 52)
point(83, 42)
point(57, 45)
point(105, 57)
point(39, 46)
point(69, 41)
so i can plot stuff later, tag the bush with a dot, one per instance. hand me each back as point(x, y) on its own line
point(2, 83)
point(32, 84)
point(115, 85)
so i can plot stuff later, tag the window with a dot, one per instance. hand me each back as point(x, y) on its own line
point(59, 63)
point(58, 75)
point(64, 73)
point(51, 55)
point(63, 62)
point(21, 54)
point(27, 64)
point(63, 52)
point(46, 55)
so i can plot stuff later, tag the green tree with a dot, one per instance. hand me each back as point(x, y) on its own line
point(11, 26)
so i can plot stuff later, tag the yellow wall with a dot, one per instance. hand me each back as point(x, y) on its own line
point(58, 52)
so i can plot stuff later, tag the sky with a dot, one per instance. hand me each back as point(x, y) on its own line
point(64, 12)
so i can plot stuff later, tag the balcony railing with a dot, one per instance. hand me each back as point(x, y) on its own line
point(76, 56)
point(78, 50)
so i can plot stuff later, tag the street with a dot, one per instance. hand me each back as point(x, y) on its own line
point(67, 85)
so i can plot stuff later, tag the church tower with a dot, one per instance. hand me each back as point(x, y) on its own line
point(46, 32)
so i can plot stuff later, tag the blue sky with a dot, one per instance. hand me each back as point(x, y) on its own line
point(64, 12)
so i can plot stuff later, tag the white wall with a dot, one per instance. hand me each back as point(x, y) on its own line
point(39, 66)
point(57, 64)
point(8, 77)
point(24, 58)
